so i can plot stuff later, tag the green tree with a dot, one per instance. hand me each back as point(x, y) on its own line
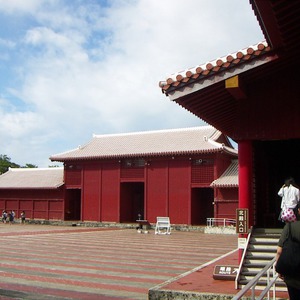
point(30, 166)
point(5, 163)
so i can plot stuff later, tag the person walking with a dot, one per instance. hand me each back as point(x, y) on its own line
point(23, 217)
point(292, 281)
point(290, 198)
point(13, 214)
point(4, 216)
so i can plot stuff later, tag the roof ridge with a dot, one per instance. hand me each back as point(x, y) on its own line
point(205, 127)
point(149, 143)
point(215, 143)
point(34, 169)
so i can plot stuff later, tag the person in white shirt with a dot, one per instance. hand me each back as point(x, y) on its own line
point(290, 194)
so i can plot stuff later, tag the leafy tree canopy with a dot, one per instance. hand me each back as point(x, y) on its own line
point(30, 166)
point(6, 163)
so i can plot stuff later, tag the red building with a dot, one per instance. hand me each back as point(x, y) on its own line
point(226, 192)
point(114, 178)
point(253, 97)
point(187, 174)
point(38, 192)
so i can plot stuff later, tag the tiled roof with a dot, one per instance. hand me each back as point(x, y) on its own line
point(229, 178)
point(149, 143)
point(205, 71)
point(32, 178)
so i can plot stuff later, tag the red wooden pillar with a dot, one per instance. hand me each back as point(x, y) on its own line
point(245, 181)
point(245, 177)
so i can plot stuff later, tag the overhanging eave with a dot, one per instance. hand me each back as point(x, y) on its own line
point(184, 90)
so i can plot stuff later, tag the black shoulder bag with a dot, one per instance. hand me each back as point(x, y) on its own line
point(289, 261)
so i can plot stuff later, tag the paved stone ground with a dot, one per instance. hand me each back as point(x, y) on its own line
point(44, 262)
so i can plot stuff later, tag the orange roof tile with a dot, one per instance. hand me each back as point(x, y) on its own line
point(184, 78)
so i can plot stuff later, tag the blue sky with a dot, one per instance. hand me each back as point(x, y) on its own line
point(71, 69)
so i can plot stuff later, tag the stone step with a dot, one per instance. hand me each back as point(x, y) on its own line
point(261, 250)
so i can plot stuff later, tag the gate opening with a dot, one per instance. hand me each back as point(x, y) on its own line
point(131, 201)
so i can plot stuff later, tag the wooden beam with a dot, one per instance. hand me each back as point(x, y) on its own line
point(234, 87)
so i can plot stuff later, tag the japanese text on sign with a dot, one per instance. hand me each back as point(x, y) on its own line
point(225, 272)
point(242, 220)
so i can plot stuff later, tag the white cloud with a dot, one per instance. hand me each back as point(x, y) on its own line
point(20, 6)
point(7, 43)
point(18, 124)
point(90, 69)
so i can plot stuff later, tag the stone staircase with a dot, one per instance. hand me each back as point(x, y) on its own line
point(261, 249)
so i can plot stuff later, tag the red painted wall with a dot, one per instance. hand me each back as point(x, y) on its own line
point(157, 195)
point(73, 175)
point(179, 191)
point(226, 203)
point(168, 190)
point(37, 204)
point(91, 193)
point(108, 188)
point(101, 190)
point(116, 191)
point(110, 192)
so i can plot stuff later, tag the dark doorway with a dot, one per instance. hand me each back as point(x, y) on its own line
point(131, 201)
point(73, 204)
point(201, 205)
point(274, 161)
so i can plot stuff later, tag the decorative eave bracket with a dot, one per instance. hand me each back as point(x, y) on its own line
point(235, 88)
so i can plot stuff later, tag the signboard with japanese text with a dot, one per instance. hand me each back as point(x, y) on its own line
point(225, 272)
point(242, 220)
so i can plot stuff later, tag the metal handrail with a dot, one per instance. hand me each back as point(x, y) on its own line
point(252, 284)
point(210, 222)
point(243, 258)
